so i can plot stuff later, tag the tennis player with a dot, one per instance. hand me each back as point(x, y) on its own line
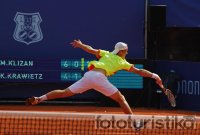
point(96, 78)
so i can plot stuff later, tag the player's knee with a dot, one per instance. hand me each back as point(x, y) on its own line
point(67, 93)
point(120, 98)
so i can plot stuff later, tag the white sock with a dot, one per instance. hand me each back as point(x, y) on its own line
point(43, 97)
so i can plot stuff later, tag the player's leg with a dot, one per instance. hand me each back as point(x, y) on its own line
point(119, 98)
point(102, 85)
point(59, 94)
point(78, 87)
point(50, 95)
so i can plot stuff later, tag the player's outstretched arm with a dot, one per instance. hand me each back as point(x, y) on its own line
point(87, 48)
point(146, 73)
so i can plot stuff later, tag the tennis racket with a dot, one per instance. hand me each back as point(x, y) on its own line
point(170, 95)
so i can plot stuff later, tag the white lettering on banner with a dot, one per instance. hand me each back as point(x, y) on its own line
point(21, 76)
point(2, 62)
point(188, 87)
point(16, 63)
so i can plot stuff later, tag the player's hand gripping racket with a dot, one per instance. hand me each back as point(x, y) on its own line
point(169, 95)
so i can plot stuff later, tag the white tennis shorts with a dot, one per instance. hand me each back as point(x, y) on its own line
point(93, 80)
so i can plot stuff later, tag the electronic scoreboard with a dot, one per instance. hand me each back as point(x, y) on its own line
point(63, 70)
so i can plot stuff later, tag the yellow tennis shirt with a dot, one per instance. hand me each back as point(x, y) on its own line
point(111, 63)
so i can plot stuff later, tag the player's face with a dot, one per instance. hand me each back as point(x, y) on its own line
point(124, 53)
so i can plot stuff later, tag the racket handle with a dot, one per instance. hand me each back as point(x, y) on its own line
point(163, 88)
